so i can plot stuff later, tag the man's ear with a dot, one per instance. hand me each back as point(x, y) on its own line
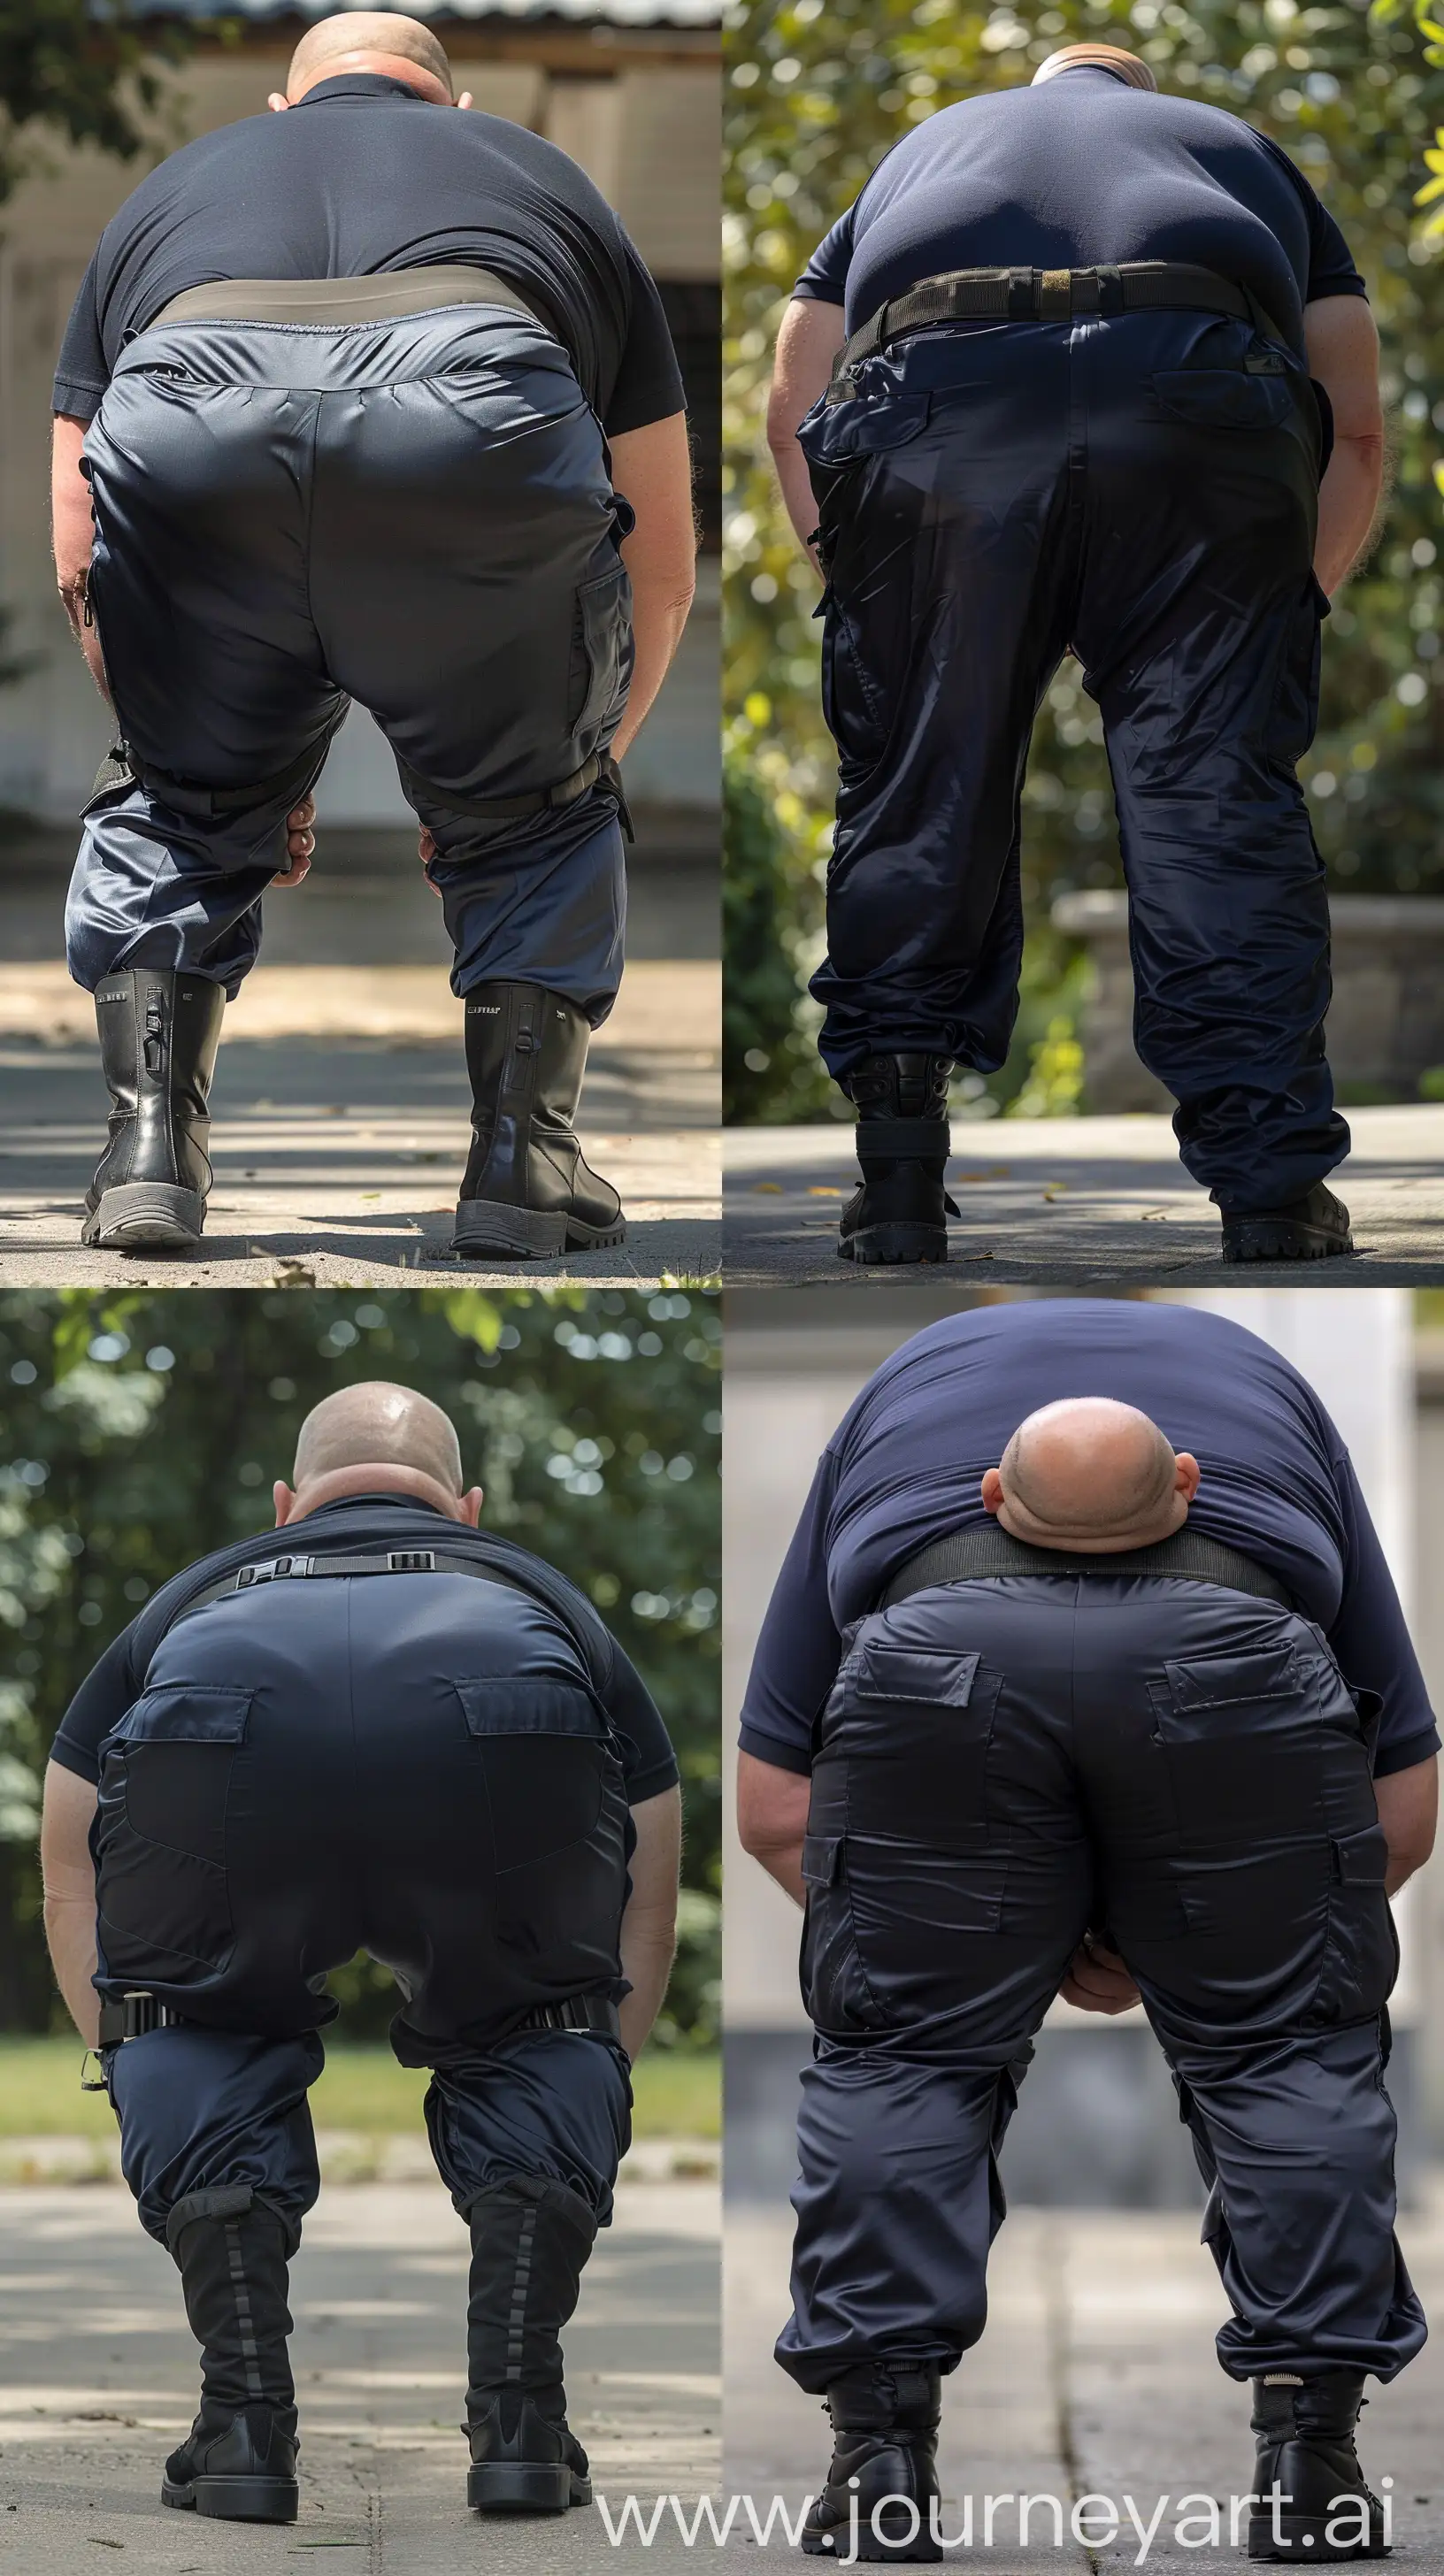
point(992, 1492)
point(285, 1502)
point(1187, 1475)
point(471, 1504)
point(278, 102)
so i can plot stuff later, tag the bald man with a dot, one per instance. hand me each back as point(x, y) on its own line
point(1085, 1677)
point(1045, 388)
point(380, 1728)
point(366, 399)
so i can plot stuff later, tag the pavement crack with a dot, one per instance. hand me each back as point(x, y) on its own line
point(1053, 2260)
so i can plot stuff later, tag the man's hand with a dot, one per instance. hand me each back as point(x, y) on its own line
point(1097, 1980)
point(300, 842)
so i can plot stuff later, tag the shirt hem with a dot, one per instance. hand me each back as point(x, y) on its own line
point(771, 1748)
point(1409, 1750)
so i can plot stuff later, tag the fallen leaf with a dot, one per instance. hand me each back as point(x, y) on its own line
point(815, 1191)
point(999, 1172)
point(772, 1188)
point(1055, 1189)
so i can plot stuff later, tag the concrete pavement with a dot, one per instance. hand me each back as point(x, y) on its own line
point(1064, 1202)
point(97, 2381)
point(1096, 2376)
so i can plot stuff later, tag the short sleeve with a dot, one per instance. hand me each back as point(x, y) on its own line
point(107, 1691)
point(648, 382)
point(648, 1761)
point(824, 280)
point(81, 374)
point(1331, 262)
point(799, 1647)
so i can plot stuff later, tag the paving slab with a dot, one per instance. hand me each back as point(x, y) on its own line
point(1096, 2376)
point(339, 1152)
point(97, 2380)
point(1074, 1201)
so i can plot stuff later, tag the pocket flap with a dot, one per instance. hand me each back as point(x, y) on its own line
point(821, 1859)
point(1220, 398)
point(938, 1676)
point(831, 434)
point(185, 1713)
point(1361, 1859)
point(520, 1706)
point(1224, 1681)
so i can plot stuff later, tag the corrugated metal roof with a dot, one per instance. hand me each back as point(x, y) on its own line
point(585, 13)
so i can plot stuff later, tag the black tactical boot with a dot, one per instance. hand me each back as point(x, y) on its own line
point(240, 2461)
point(530, 2239)
point(885, 2437)
point(1305, 2431)
point(158, 1038)
point(1308, 1230)
point(900, 1212)
point(527, 1191)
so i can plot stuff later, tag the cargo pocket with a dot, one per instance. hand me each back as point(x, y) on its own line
point(160, 1833)
point(1225, 397)
point(601, 654)
point(834, 1990)
point(557, 1809)
point(1294, 715)
point(1361, 1949)
point(1242, 1740)
point(918, 1722)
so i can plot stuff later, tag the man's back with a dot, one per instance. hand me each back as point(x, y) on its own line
point(1078, 172)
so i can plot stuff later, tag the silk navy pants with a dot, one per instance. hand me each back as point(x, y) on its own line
point(414, 514)
point(1005, 1764)
point(413, 1766)
point(1141, 491)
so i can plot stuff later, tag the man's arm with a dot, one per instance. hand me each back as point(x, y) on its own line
point(652, 467)
point(1343, 351)
point(649, 1924)
point(69, 1880)
point(1408, 1804)
point(72, 536)
point(772, 1819)
point(808, 342)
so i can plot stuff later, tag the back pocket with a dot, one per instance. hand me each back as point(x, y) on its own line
point(547, 1759)
point(160, 1830)
point(915, 1727)
point(1224, 398)
point(1242, 1737)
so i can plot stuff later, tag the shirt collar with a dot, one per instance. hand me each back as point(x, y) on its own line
point(372, 1503)
point(362, 85)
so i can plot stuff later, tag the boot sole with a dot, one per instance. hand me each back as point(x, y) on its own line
point(1304, 2537)
point(516, 2486)
point(146, 1216)
point(1274, 1239)
point(897, 1242)
point(236, 2499)
point(527, 1234)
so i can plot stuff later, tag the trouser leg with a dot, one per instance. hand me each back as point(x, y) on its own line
point(1200, 637)
point(542, 901)
point(151, 887)
point(898, 2200)
point(1243, 1866)
point(211, 2110)
point(553, 2104)
point(945, 515)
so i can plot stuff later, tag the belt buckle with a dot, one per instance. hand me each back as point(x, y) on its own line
point(276, 1570)
point(412, 1560)
point(1055, 295)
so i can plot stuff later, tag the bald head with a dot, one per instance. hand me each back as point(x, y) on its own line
point(376, 1438)
point(1100, 58)
point(370, 40)
point(1091, 1475)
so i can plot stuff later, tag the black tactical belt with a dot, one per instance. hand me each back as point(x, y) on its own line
point(139, 2012)
point(329, 301)
point(296, 1569)
point(1049, 295)
point(972, 1555)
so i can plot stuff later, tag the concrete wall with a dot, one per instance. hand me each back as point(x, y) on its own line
point(647, 135)
point(1097, 2124)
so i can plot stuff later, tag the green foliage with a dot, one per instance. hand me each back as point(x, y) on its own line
point(87, 72)
point(771, 912)
point(140, 1430)
point(816, 94)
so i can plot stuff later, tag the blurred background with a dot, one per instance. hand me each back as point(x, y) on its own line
point(1097, 2366)
point(139, 1431)
point(815, 94)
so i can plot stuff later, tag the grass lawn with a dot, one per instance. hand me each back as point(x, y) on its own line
point(677, 2094)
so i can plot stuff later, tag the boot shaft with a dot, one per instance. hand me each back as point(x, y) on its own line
point(530, 2239)
point(232, 2253)
point(158, 1038)
point(526, 1054)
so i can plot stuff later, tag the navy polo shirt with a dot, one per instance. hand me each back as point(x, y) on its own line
point(906, 1465)
point(364, 1524)
point(1084, 172)
point(366, 176)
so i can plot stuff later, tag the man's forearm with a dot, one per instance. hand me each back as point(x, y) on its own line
point(798, 498)
point(70, 1936)
point(1349, 498)
point(658, 619)
point(783, 1861)
point(648, 1947)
